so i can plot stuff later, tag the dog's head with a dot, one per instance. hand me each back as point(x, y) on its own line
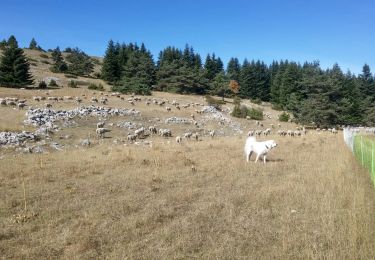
point(271, 144)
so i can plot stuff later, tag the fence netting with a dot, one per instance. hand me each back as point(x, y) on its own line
point(361, 141)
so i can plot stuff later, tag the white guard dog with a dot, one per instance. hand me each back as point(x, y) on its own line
point(260, 148)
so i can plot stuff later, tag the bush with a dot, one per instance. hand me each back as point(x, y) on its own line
point(256, 101)
point(97, 75)
point(277, 107)
point(284, 117)
point(52, 83)
point(214, 102)
point(42, 84)
point(93, 86)
point(44, 56)
point(72, 84)
point(242, 111)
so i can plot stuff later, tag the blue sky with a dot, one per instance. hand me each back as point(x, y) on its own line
point(329, 31)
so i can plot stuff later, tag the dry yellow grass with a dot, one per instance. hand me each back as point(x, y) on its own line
point(120, 202)
point(195, 200)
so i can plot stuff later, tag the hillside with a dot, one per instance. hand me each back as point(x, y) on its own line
point(70, 193)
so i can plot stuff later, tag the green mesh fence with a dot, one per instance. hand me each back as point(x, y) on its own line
point(364, 150)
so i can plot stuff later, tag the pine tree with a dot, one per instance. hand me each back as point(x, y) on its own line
point(234, 69)
point(80, 63)
point(59, 65)
point(14, 67)
point(33, 44)
point(111, 66)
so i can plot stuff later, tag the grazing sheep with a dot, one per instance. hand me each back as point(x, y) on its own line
point(131, 137)
point(165, 132)
point(178, 139)
point(188, 135)
point(251, 133)
point(334, 131)
point(68, 97)
point(48, 105)
point(94, 100)
point(11, 103)
point(152, 129)
point(195, 136)
point(3, 102)
point(267, 131)
point(53, 98)
point(297, 133)
point(290, 133)
point(21, 105)
point(139, 131)
point(279, 125)
point(101, 132)
point(212, 133)
point(131, 102)
point(37, 98)
point(258, 132)
point(103, 100)
point(78, 100)
point(147, 103)
point(192, 116)
point(168, 109)
point(100, 124)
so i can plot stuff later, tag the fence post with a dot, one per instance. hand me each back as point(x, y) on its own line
point(362, 150)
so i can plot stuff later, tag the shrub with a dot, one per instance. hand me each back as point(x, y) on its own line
point(284, 117)
point(52, 83)
point(277, 107)
point(93, 86)
point(42, 84)
point(242, 111)
point(97, 75)
point(72, 84)
point(237, 101)
point(256, 101)
point(214, 102)
point(44, 56)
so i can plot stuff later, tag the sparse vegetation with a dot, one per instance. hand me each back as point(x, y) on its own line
point(44, 56)
point(214, 102)
point(52, 83)
point(42, 85)
point(72, 84)
point(93, 86)
point(284, 117)
point(243, 111)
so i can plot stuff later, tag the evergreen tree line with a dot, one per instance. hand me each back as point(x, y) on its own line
point(313, 95)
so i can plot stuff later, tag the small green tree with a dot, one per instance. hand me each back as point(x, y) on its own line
point(284, 117)
point(33, 44)
point(59, 65)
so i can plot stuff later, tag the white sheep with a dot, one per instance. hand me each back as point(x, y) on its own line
point(212, 133)
point(152, 129)
point(131, 137)
point(178, 139)
point(101, 132)
point(188, 135)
